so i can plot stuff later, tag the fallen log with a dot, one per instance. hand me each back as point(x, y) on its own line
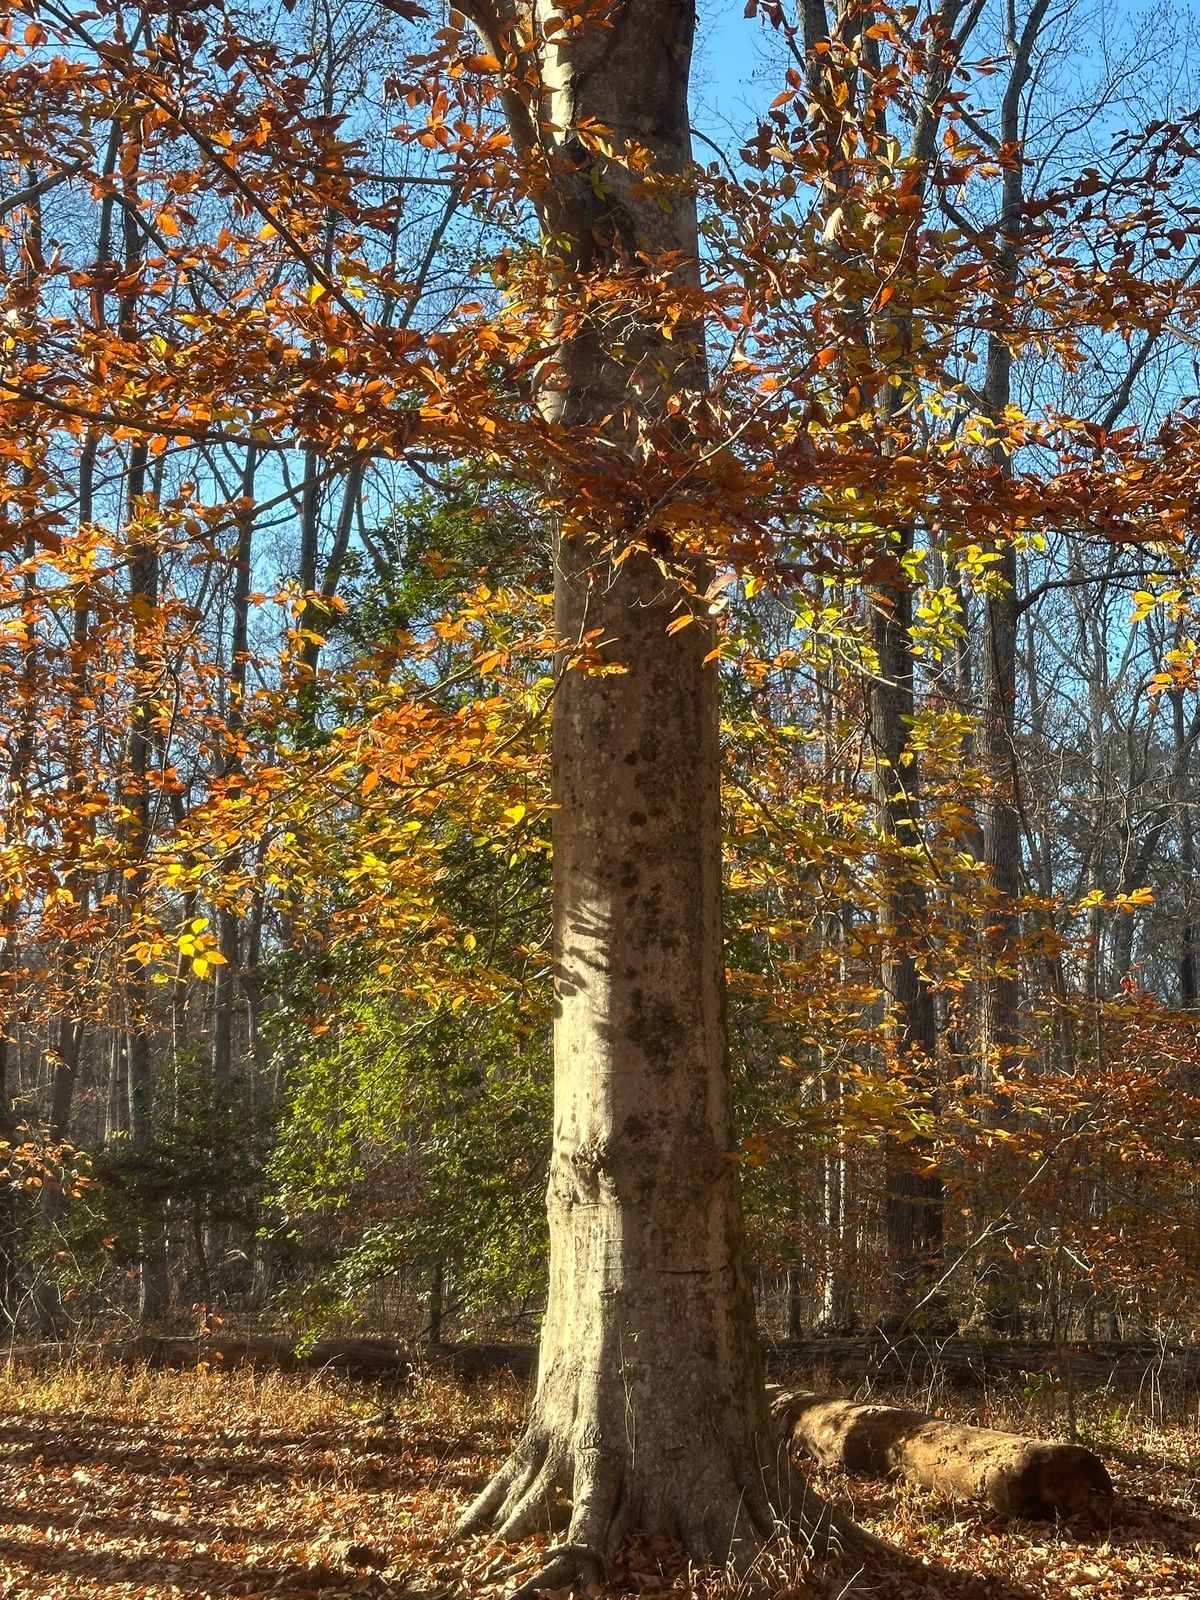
point(369, 1358)
point(471, 1363)
point(1019, 1477)
point(966, 1363)
point(849, 1361)
point(364, 1357)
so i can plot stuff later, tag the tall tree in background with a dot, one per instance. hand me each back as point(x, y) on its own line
point(999, 993)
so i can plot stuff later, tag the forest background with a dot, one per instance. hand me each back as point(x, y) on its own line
point(278, 663)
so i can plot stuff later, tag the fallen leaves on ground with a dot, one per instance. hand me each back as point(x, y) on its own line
point(161, 1486)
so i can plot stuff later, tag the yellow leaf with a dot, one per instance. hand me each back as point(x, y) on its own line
point(515, 813)
point(315, 292)
point(200, 967)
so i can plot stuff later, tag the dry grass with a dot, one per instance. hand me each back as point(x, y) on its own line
point(187, 1486)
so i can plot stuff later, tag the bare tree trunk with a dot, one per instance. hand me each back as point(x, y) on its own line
point(144, 600)
point(229, 941)
point(999, 993)
point(15, 814)
point(1189, 992)
point(70, 1030)
point(436, 1305)
point(914, 1201)
point(143, 582)
point(48, 1304)
point(650, 1408)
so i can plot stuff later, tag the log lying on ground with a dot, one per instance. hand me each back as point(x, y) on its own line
point(373, 1359)
point(378, 1359)
point(963, 1363)
point(1020, 1477)
point(966, 1363)
point(472, 1362)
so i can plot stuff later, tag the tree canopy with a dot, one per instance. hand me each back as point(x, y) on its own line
point(865, 415)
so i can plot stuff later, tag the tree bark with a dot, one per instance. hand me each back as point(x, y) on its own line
point(999, 993)
point(144, 599)
point(914, 1200)
point(650, 1409)
point(1019, 1477)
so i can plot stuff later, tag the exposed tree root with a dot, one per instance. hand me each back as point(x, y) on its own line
point(563, 1567)
point(717, 1520)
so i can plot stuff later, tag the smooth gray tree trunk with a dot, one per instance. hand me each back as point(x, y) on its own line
point(650, 1409)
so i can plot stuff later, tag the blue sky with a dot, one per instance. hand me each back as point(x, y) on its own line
point(730, 73)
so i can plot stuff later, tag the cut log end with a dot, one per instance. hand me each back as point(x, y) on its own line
point(1052, 1480)
point(1017, 1476)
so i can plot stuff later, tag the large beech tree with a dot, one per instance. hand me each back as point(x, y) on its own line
point(256, 326)
point(650, 1408)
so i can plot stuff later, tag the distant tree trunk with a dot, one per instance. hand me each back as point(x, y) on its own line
point(69, 1051)
point(837, 1279)
point(15, 817)
point(64, 1068)
point(914, 1200)
point(229, 941)
point(999, 992)
point(143, 584)
point(144, 601)
point(436, 1306)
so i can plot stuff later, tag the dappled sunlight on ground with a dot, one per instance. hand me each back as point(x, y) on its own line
point(187, 1486)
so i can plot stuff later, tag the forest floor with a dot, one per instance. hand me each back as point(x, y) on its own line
point(169, 1486)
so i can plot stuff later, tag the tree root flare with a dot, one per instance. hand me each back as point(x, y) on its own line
point(563, 1567)
point(722, 1522)
point(483, 1509)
